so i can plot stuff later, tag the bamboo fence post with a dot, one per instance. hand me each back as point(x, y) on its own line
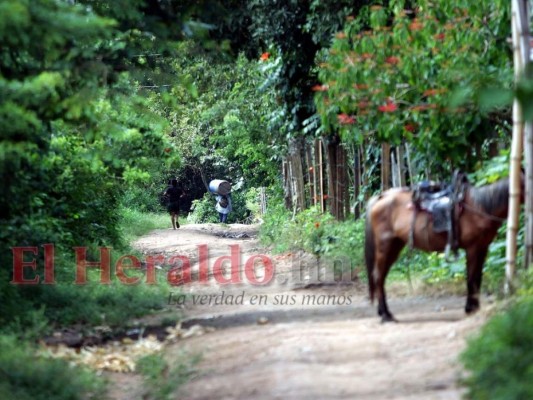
point(401, 168)
point(385, 166)
point(321, 174)
point(520, 31)
point(528, 155)
point(409, 166)
point(394, 169)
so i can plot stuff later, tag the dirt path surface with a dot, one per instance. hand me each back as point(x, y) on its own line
point(305, 340)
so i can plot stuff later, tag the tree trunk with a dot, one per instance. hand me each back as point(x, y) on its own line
point(298, 185)
point(356, 183)
point(363, 172)
point(287, 183)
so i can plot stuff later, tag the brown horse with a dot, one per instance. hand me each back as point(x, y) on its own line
point(389, 220)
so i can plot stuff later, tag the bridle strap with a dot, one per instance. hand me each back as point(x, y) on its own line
point(483, 213)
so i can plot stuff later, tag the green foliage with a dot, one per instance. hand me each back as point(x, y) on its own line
point(492, 170)
point(525, 283)
point(203, 210)
point(162, 379)
point(135, 223)
point(499, 360)
point(113, 305)
point(277, 224)
point(245, 208)
point(75, 135)
point(222, 129)
point(27, 377)
point(315, 233)
point(425, 93)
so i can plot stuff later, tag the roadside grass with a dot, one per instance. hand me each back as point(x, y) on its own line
point(134, 223)
point(163, 379)
point(25, 376)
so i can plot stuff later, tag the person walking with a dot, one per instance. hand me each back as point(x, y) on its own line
point(223, 206)
point(173, 194)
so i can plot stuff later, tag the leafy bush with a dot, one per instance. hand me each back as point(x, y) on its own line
point(500, 358)
point(27, 377)
point(143, 198)
point(203, 210)
point(315, 233)
point(161, 379)
point(245, 205)
point(411, 93)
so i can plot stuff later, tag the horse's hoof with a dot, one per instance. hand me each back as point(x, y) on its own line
point(387, 318)
point(471, 308)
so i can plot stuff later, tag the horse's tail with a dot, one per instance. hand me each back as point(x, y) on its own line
point(370, 248)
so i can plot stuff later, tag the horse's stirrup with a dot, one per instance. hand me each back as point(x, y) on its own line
point(447, 252)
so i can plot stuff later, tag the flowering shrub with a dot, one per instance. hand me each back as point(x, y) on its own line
point(415, 74)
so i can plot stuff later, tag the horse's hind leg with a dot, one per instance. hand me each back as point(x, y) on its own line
point(387, 254)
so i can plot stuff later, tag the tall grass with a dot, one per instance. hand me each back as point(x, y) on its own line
point(134, 223)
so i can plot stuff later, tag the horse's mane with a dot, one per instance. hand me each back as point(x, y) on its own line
point(491, 197)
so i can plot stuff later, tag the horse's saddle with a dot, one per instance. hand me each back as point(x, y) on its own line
point(435, 199)
point(439, 200)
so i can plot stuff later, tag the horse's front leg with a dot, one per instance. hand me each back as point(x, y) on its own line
point(475, 258)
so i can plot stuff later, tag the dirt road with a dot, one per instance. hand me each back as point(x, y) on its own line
point(296, 339)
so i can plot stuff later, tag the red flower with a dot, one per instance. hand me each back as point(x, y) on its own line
point(440, 36)
point(392, 60)
point(317, 225)
point(345, 119)
point(410, 127)
point(264, 56)
point(389, 107)
point(416, 25)
point(319, 88)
